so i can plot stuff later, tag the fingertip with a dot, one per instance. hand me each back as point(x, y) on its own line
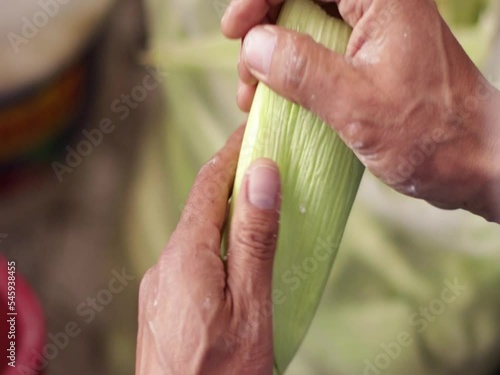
point(227, 27)
point(244, 73)
point(231, 26)
point(245, 96)
point(242, 15)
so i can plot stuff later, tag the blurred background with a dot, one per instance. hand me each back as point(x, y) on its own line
point(107, 110)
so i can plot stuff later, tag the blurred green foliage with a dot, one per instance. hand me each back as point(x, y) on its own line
point(462, 12)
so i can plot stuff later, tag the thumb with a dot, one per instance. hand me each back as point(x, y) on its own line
point(302, 70)
point(253, 234)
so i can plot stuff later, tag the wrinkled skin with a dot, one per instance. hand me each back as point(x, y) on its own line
point(196, 316)
point(406, 98)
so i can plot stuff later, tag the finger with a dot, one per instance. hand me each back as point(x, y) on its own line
point(353, 10)
point(253, 234)
point(245, 74)
point(246, 94)
point(242, 15)
point(305, 72)
point(205, 211)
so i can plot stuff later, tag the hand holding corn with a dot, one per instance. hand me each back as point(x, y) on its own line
point(405, 98)
point(198, 315)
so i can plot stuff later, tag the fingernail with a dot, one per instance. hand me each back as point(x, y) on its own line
point(258, 49)
point(263, 187)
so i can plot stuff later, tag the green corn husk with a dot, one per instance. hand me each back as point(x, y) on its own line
point(320, 179)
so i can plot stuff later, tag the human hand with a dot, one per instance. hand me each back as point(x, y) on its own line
point(405, 98)
point(198, 315)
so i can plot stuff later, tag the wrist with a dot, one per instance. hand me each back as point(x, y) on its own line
point(488, 198)
point(482, 160)
point(466, 165)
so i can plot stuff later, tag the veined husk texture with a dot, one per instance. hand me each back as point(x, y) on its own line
point(320, 178)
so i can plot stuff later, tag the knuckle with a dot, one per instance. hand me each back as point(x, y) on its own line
point(364, 139)
point(211, 184)
point(257, 238)
point(202, 189)
point(206, 171)
point(211, 241)
point(214, 175)
point(148, 283)
point(191, 215)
